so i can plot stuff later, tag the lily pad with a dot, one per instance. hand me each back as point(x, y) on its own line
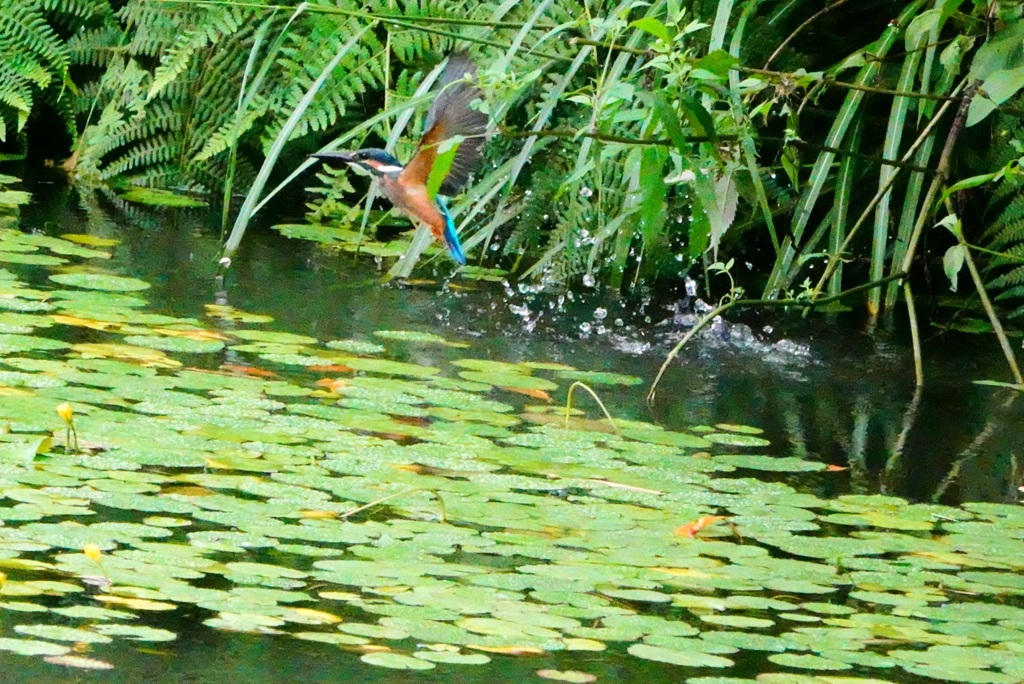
point(396, 661)
point(100, 281)
point(678, 657)
point(160, 198)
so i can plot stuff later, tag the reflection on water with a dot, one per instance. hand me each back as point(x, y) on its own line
point(821, 390)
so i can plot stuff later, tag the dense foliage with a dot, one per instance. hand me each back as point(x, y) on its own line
point(633, 141)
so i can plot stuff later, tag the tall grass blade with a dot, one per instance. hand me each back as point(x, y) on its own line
point(246, 211)
point(890, 152)
point(783, 274)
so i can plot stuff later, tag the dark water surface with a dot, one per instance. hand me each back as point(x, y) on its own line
point(830, 394)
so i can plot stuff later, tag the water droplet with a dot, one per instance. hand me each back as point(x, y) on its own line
point(586, 192)
point(600, 313)
point(588, 280)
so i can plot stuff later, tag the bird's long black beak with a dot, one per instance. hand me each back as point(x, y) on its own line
point(346, 157)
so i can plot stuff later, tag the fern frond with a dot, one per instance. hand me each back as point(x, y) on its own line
point(211, 26)
point(1005, 236)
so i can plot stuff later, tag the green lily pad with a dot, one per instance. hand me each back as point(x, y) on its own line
point(175, 344)
point(780, 464)
point(100, 281)
point(59, 633)
point(681, 657)
point(396, 661)
point(416, 337)
point(599, 377)
point(32, 647)
point(160, 198)
point(356, 346)
point(385, 367)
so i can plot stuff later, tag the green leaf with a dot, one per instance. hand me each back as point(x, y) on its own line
point(653, 27)
point(952, 262)
point(100, 281)
point(159, 197)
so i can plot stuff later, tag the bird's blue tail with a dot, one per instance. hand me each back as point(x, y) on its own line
point(451, 238)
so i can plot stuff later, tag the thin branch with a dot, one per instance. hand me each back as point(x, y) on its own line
point(844, 84)
point(993, 318)
point(915, 334)
point(849, 153)
point(813, 18)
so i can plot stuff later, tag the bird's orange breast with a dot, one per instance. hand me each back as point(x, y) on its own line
point(413, 201)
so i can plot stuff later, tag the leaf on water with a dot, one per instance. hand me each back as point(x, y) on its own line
point(160, 198)
point(742, 621)
point(136, 632)
point(667, 438)
point(572, 676)
point(90, 240)
point(79, 662)
point(31, 647)
point(741, 429)
point(806, 661)
point(508, 650)
point(673, 657)
point(599, 377)
point(356, 346)
point(178, 344)
point(736, 439)
point(385, 367)
point(779, 464)
point(230, 313)
point(59, 633)
point(531, 392)
point(30, 259)
point(396, 661)
point(417, 337)
point(489, 366)
point(513, 381)
point(693, 528)
point(100, 281)
point(249, 371)
point(135, 603)
point(274, 337)
point(639, 595)
point(147, 357)
point(453, 658)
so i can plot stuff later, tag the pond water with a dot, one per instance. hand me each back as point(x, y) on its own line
point(301, 474)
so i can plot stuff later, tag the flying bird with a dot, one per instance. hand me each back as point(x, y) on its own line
point(450, 115)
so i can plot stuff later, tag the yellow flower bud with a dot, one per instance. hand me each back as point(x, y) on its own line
point(65, 412)
point(92, 552)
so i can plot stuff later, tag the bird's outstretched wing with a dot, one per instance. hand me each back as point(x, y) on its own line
point(450, 115)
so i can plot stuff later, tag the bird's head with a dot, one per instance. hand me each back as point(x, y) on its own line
point(374, 161)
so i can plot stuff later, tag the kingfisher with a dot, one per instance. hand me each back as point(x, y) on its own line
point(450, 115)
